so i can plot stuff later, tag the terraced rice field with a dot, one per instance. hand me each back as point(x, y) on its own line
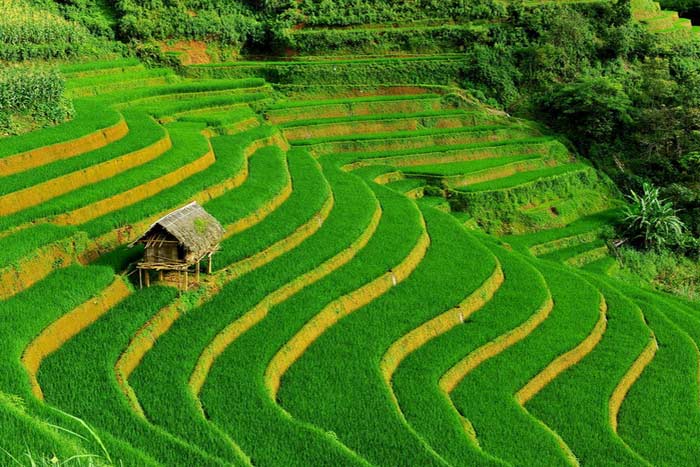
point(405, 279)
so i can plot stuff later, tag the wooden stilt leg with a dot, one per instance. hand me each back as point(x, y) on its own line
point(140, 280)
point(209, 270)
point(197, 268)
point(187, 286)
point(160, 275)
point(148, 278)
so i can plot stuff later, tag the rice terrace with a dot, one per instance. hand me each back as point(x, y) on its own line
point(349, 233)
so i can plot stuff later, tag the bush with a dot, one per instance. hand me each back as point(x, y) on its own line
point(651, 221)
point(661, 269)
point(230, 23)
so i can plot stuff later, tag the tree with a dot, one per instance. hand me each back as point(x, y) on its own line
point(591, 109)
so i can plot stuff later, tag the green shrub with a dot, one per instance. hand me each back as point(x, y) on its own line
point(662, 269)
point(32, 93)
point(651, 220)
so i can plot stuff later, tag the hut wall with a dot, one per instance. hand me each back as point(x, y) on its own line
point(165, 252)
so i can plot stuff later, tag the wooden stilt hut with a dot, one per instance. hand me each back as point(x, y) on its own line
point(177, 243)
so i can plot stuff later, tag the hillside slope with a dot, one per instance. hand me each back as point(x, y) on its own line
point(407, 276)
point(350, 318)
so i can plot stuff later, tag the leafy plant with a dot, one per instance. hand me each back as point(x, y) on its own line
point(652, 220)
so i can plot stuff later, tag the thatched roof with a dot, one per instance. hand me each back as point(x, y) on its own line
point(195, 229)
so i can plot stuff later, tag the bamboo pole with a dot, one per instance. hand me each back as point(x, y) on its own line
point(209, 270)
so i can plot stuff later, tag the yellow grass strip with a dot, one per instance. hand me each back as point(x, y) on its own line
point(232, 332)
point(65, 150)
point(146, 337)
point(453, 376)
point(42, 192)
point(67, 326)
point(30, 270)
point(338, 309)
point(415, 193)
point(566, 360)
point(389, 177)
point(627, 381)
point(244, 125)
point(409, 343)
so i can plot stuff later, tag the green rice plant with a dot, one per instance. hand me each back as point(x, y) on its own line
point(268, 176)
point(435, 202)
point(74, 69)
point(426, 118)
point(115, 78)
point(90, 116)
point(500, 210)
point(575, 404)
point(583, 225)
point(524, 177)
point(68, 288)
point(261, 427)
point(188, 145)
point(180, 347)
point(80, 378)
point(418, 140)
point(470, 151)
point(371, 172)
point(297, 105)
point(218, 118)
point(143, 132)
point(426, 407)
point(568, 253)
point(163, 109)
point(41, 440)
point(93, 114)
point(485, 396)
point(230, 161)
point(176, 91)
point(365, 418)
point(404, 186)
point(659, 418)
point(22, 244)
point(461, 168)
point(429, 132)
